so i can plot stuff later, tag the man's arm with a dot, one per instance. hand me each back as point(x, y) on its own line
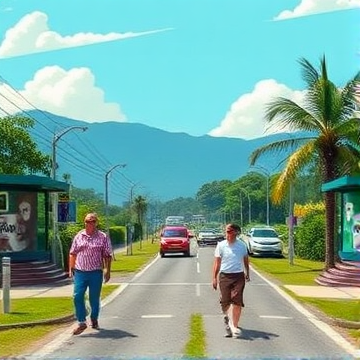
point(107, 268)
point(247, 269)
point(72, 260)
point(215, 272)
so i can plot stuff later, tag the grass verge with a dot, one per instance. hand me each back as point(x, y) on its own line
point(196, 346)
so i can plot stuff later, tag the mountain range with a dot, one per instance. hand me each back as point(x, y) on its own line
point(165, 165)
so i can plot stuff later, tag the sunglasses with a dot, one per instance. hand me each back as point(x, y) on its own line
point(230, 231)
point(90, 221)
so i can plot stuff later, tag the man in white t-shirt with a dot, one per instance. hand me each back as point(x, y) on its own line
point(231, 271)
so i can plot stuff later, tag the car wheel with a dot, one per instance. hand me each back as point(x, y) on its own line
point(187, 253)
point(162, 254)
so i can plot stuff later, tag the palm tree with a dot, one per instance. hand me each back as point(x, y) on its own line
point(328, 116)
point(140, 207)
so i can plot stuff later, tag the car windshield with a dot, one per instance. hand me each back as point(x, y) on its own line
point(265, 233)
point(174, 233)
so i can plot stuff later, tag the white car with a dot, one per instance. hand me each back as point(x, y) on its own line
point(209, 237)
point(263, 241)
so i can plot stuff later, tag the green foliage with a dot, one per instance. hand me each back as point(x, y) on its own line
point(67, 234)
point(117, 235)
point(310, 237)
point(18, 152)
point(283, 231)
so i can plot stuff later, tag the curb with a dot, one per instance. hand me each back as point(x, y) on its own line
point(61, 320)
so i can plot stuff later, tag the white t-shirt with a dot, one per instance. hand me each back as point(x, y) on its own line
point(232, 256)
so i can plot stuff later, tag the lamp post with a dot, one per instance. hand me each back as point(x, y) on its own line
point(56, 138)
point(107, 198)
point(266, 173)
point(291, 224)
point(249, 200)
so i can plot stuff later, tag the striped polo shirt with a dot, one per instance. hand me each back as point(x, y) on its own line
point(90, 250)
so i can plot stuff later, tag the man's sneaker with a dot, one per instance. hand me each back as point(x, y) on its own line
point(228, 332)
point(95, 324)
point(81, 327)
point(237, 332)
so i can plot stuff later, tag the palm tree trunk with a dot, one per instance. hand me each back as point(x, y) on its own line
point(330, 208)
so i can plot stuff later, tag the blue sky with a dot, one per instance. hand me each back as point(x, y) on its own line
point(193, 66)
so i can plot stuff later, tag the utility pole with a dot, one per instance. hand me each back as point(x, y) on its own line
point(266, 173)
point(291, 224)
point(56, 138)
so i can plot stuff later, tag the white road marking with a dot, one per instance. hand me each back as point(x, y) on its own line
point(197, 289)
point(198, 267)
point(275, 317)
point(169, 284)
point(156, 316)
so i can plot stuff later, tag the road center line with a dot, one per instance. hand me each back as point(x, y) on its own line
point(156, 316)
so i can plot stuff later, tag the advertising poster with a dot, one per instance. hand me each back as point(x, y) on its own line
point(18, 225)
point(351, 222)
point(66, 211)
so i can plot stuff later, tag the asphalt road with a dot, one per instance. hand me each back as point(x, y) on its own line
point(150, 318)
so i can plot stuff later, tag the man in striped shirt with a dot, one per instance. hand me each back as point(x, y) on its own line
point(90, 264)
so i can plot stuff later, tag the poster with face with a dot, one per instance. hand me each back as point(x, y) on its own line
point(18, 225)
point(11, 233)
point(351, 222)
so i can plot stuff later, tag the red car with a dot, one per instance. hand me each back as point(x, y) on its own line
point(175, 239)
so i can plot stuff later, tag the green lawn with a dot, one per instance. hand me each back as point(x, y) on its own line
point(302, 272)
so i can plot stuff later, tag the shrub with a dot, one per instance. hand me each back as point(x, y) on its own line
point(310, 237)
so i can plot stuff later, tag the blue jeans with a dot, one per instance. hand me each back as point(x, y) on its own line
point(82, 281)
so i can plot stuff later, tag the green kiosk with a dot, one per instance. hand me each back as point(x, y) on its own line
point(349, 230)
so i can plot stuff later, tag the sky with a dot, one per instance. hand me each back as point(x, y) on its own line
point(192, 66)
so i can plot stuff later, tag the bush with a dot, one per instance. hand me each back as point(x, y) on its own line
point(310, 237)
point(117, 235)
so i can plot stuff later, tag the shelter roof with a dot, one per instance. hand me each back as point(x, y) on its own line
point(32, 183)
point(343, 184)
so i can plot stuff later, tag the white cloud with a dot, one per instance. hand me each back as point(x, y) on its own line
point(72, 94)
point(310, 7)
point(32, 35)
point(245, 119)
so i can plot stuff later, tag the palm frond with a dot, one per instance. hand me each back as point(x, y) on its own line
point(286, 113)
point(297, 161)
point(279, 148)
point(309, 74)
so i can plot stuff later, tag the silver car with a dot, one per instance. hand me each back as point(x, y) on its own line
point(263, 241)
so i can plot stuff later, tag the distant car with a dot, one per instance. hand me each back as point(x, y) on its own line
point(263, 241)
point(175, 239)
point(209, 237)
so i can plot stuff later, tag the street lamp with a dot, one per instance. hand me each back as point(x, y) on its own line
point(56, 138)
point(249, 200)
point(107, 195)
point(266, 173)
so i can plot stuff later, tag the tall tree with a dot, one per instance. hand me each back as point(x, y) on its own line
point(327, 114)
point(18, 152)
point(140, 207)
